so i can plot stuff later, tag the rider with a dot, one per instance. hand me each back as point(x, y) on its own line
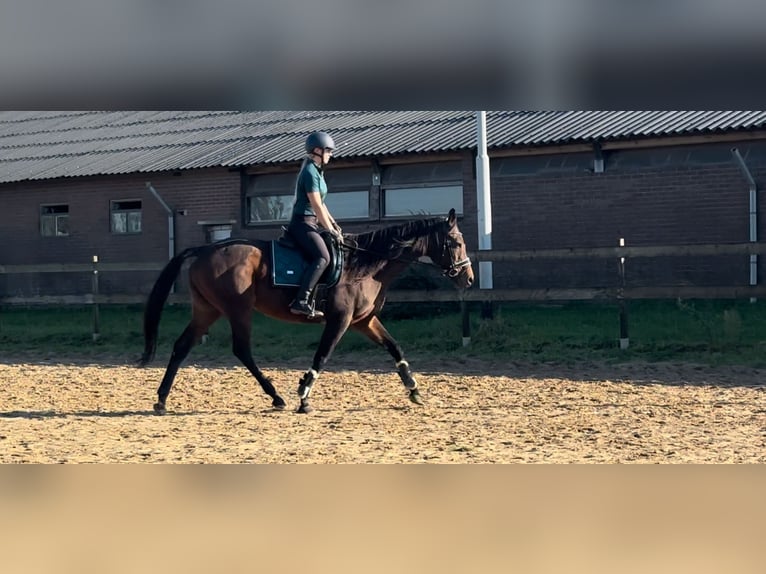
point(310, 212)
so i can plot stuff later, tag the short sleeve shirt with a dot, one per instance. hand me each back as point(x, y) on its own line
point(310, 179)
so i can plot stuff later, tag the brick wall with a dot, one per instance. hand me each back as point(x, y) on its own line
point(204, 194)
point(663, 196)
point(677, 197)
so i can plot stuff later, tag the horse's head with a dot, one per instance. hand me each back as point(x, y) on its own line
point(449, 252)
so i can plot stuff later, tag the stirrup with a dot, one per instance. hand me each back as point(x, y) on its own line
point(313, 314)
point(304, 308)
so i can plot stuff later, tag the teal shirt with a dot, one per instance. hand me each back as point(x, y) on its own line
point(310, 179)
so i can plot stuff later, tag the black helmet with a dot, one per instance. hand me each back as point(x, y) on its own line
point(319, 139)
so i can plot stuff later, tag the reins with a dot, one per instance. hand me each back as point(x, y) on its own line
point(383, 256)
point(452, 271)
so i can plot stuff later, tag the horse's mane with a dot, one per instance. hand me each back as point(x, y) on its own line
point(389, 243)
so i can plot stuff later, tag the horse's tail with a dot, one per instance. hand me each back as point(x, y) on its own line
point(156, 301)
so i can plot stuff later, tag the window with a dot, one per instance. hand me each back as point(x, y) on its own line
point(126, 216)
point(349, 192)
point(54, 220)
point(270, 208)
point(269, 198)
point(348, 204)
point(437, 200)
point(422, 189)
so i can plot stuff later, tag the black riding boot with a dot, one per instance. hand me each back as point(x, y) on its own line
point(301, 304)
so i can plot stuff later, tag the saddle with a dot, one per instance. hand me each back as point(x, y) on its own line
point(289, 263)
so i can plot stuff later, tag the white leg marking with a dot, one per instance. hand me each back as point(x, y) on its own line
point(313, 376)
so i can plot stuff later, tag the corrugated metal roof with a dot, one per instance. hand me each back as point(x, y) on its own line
point(53, 144)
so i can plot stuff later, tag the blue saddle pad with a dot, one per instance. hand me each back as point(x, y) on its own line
point(288, 265)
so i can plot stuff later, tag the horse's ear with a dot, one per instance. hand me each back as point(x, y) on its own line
point(452, 217)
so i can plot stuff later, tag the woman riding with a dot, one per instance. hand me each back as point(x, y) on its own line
point(309, 214)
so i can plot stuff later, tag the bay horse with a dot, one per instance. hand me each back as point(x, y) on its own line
point(233, 277)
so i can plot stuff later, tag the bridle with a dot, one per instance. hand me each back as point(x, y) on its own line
point(450, 245)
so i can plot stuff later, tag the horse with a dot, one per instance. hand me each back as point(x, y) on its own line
point(232, 278)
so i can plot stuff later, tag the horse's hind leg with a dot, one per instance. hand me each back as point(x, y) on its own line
point(202, 318)
point(240, 337)
point(374, 330)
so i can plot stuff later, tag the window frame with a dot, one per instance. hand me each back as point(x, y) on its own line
point(458, 209)
point(261, 222)
point(335, 189)
point(426, 181)
point(342, 180)
point(335, 193)
point(113, 211)
point(55, 217)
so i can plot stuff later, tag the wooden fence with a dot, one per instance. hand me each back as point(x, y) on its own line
point(619, 294)
point(475, 294)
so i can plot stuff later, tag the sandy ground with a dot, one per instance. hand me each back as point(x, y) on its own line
point(58, 411)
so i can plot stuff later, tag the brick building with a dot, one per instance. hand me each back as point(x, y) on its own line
point(131, 187)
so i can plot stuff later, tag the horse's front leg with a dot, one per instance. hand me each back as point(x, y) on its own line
point(334, 330)
point(374, 330)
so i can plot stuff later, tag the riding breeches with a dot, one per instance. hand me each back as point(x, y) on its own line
point(306, 234)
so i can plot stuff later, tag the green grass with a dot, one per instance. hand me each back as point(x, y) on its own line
point(709, 332)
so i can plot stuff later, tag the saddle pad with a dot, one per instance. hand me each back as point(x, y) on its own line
point(288, 265)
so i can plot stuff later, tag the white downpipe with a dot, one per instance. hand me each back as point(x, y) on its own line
point(484, 200)
point(171, 221)
point(753, 212)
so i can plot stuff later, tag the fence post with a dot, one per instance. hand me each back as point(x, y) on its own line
point(623, 304)
point(96, 326)
point(466, 322)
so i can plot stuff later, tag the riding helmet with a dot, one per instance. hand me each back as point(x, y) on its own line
point(319, 139)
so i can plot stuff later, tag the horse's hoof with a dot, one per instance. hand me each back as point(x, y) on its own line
point(159, 408)
point(415, 397)
point(278, 403)
point(304, 409)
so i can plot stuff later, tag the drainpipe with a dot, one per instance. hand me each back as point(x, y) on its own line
point(753, 213)
point(484, 199)
point(171, 220)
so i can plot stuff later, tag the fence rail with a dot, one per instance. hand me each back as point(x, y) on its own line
point(401, 296)
point(79, 267)
point(621, 294)
point(708, 249)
